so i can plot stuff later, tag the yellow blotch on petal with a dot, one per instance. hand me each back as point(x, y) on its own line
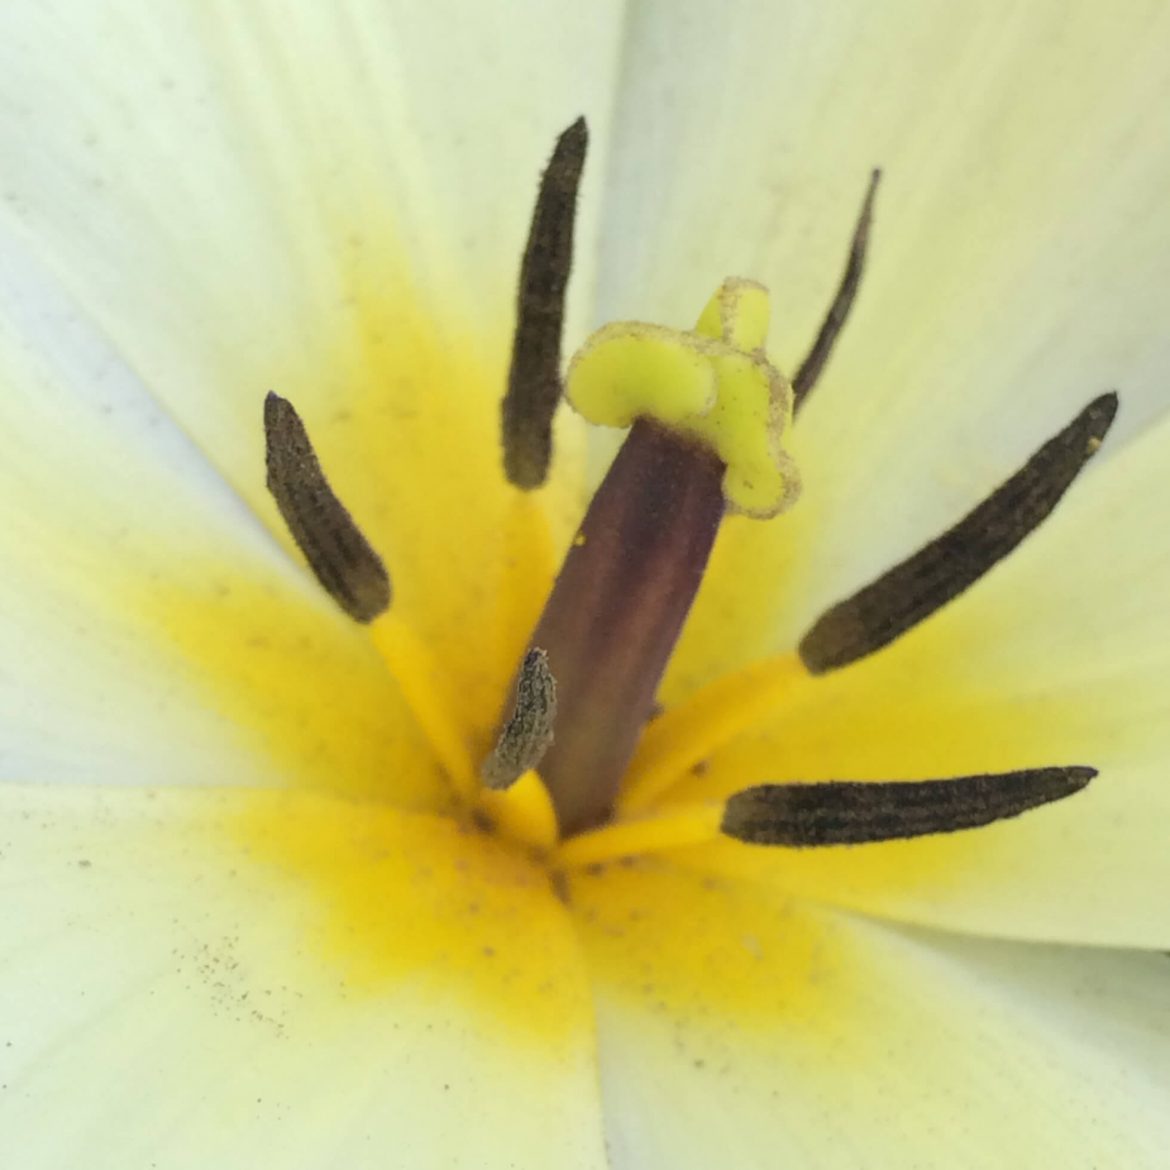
point(400, 395)
point(402, 900)
point(685, 735)
point(429, 697)
point(919, 710)
point(693, 948)
point(714, 384)
point(292, 679)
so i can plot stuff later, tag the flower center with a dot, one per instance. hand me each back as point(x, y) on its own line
point(706, 412)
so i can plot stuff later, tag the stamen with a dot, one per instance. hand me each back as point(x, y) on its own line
point(910, 592)
point(818, 356)
point(696, 728)
point(850, 813)
point(534, 380)
point(348, 568)
point(529, 733)
point(663, 831)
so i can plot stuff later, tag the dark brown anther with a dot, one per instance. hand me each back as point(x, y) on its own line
point(617, 607)
point(527, 735)
point(851, 813)
point(911, 591)
point(818, 356)
point(534, 380)
point(337, 552)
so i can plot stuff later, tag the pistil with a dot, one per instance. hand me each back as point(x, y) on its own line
point(706, 412)
point(617, 608)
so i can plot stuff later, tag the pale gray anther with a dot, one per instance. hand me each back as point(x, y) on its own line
point(529, 733)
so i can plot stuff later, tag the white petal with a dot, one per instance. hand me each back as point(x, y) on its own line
point(328, 201)
point(1060, 655)
point(815, 1041)
point(178, 1001)
point(1020, 259)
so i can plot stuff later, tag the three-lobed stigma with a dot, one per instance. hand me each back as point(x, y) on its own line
point(713, 384)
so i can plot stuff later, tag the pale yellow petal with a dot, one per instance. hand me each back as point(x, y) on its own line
point(737, 1030)
point(212, 979)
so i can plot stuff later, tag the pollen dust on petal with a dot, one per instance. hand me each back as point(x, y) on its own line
point(292, 681)
point(397, 900)
point(706, 953)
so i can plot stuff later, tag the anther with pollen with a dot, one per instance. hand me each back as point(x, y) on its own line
point(911, 591)
point(529, 733)
point(534, 379)
point(856, 813)
point(348, 568)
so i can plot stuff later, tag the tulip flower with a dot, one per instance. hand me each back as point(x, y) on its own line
point(675, 677)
